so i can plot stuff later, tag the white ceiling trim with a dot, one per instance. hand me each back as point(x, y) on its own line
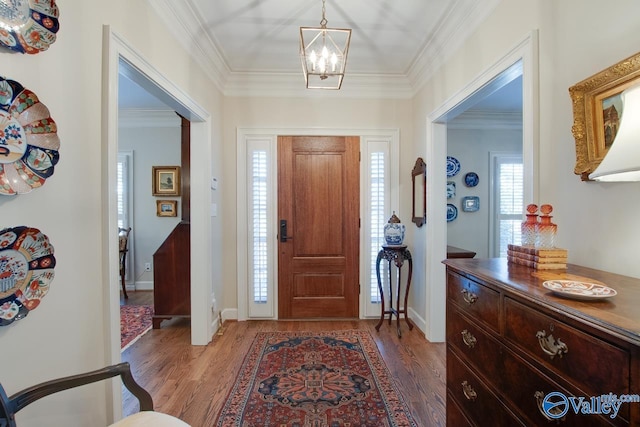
point(487, 120)
point(179, 17)
point(184, 22)
point(292, 85)
point(460, 21)
point(136, 118)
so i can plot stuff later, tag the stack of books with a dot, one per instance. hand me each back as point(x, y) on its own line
point(538, 258)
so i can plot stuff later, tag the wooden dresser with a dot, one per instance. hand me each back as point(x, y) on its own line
point(514, 348)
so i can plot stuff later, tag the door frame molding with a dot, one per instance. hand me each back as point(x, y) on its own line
point(115, 50)
point(436, 150)
point(243, 134)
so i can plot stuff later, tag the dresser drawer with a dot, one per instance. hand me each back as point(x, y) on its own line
point(478, 348)
point(481, 406)
point(594, 365)
point(521, 382)
point(475, 299)
point(455, 417)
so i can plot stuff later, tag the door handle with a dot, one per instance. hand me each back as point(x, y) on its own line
point(283, 231)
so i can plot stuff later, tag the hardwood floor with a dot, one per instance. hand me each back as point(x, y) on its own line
point(192, 383)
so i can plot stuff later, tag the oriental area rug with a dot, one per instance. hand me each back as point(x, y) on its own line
point(135, 321)
point(310, 379)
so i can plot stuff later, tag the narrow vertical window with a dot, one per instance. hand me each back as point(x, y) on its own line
point(509, 189)
point(377, 208)
point(122, 190)
point(259, 226)
point(124, 195)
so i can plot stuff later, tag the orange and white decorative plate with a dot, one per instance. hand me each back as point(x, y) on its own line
point(29, 141)
point(28, 26)
point(579, 290)
point(26, 270)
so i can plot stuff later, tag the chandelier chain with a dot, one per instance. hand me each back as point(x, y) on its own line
point(323, 22)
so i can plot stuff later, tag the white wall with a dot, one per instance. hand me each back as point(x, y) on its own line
point(68, 332)
point(577, 39)
point(470, 230)
point(153, 143)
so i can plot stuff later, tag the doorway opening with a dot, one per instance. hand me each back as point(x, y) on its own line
point(520, 61)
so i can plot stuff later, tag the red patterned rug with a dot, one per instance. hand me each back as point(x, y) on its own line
point(327, 379)
point(135, 321)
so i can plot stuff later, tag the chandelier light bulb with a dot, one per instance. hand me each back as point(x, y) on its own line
point(334, 61)
point(313, 58)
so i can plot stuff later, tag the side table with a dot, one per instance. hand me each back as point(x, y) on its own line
point(397, 254)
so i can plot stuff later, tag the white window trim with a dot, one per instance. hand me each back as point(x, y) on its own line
point(130, 280)
point(494, 156)
point(244, 136)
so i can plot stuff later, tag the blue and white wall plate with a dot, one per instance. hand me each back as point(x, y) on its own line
point(452, 212)
point(470, 203)
point(451, 189)
point(453, 166)
point(471, 179)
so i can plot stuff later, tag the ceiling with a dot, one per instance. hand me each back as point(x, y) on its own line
point(251, 47)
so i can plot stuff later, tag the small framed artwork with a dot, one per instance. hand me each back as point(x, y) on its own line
point(166, 207)
point(470, 203)
point(166, 180)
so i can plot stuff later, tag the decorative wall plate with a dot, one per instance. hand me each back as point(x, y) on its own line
point(451, 189)
point(26, 269)
point(471, 179)
point(452, 212)
point(28, 140)
point(28, 26)
point(453, 166)
point(470, 203)
point(579, 290)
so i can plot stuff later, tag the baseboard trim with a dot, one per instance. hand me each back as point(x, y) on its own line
point(418, 321)
point(229, 314)
point(140, 286)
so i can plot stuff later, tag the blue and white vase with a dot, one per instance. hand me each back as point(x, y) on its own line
point(394, 231)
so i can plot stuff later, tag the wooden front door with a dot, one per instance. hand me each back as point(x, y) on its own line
point(318, 202)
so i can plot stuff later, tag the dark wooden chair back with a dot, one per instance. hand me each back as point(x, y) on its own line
point(10, 405)
point(123, 242)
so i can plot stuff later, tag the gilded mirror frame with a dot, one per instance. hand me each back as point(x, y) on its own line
point(419, 186)
point(589, 98)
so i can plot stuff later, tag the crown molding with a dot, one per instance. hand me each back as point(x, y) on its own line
point(181, 17)
point(292, 85)
point(462, 18)
point(487, 120)
point(135, 118)
point(460, 21)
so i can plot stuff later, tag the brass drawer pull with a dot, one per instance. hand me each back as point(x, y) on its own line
point(556, 411)
point(469, 297)
point(468, 391)
point(468, 339)
point(551, 346)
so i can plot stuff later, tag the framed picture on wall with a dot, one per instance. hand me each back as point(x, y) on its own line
point(166, 207)
point(166, 180)
point(597, 109)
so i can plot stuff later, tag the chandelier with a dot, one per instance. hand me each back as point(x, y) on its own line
point(323, 52)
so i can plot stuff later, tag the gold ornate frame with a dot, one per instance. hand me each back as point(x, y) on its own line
point(166, 207)
point(588, 97)
point(166, 180)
